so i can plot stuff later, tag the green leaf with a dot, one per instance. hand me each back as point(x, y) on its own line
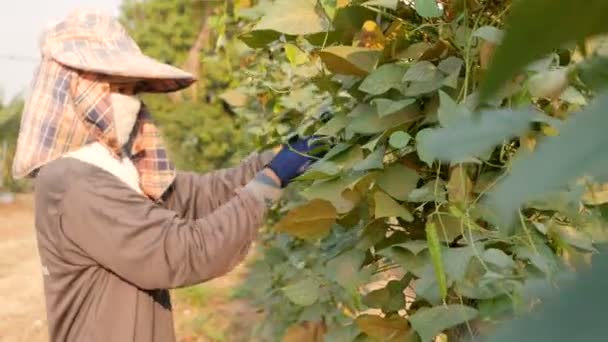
point(582, 139)
point(427, 8)
point(295, 18)
point(414, 246)
point(304, 292)
point(424, 71)
point(310, 221)
point(429, 322)
point(386, 107)
point(498, 258)
point(321, 170)
point(366, 121)
point(259, 39)
point(398, 181)
point(372, 162)
point(456, 261)
point(390, 4)
point(330, 7)
point(490, 34)
point(427, 288)
point(333, 126)
point(472, 138)
point(451, 66)
point(389, 298)
point(435, 252)
point(573, 237)
point(334, 191)
point(372, 143)
point(345, 269)
point(528, 22)
point(347, 159)
point(399, 139)
point(295, 55)
point(383, 79)
point(410, 262)
point(430, 192)
point(387, 329)
point(349, 60)
point(385, 206)
point(449, 227)
point(451, 113)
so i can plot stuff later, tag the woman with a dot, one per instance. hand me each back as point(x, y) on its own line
point(116, 224)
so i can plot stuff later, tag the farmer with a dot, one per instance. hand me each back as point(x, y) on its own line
point(116, 224)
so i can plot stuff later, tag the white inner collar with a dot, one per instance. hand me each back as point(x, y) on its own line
point(97, 155)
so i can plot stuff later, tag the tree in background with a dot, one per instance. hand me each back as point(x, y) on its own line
point(10, 119)
point(201, 134)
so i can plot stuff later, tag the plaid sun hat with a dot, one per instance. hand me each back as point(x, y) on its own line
point(69, 102)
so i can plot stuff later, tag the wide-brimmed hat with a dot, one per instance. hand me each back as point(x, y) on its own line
point(93, 41)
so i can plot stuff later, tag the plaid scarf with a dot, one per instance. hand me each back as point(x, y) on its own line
point(68, 109)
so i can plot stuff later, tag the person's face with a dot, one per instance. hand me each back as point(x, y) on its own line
point(125, 106)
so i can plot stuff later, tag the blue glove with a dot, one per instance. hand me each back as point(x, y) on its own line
point(294, 159)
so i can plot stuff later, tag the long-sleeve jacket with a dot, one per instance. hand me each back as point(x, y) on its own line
point(109, 254)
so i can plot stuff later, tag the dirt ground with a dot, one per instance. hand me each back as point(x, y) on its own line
point(208, 312)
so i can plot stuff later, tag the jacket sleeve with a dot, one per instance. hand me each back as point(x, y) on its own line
point(196, 195)
point(153, 247)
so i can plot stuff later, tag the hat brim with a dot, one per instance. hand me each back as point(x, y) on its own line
point(150, 74)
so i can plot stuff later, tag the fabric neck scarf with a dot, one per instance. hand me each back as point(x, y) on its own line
point(69, 109)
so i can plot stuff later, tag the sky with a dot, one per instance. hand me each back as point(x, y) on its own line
point(21, 22)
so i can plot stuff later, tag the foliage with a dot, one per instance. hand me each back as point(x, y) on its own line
point(10, 119)
point(201, 134)
point(456, 204)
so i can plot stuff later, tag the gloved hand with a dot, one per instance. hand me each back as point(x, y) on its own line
point(294, 158)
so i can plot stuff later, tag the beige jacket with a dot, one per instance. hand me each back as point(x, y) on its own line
point(109, 254)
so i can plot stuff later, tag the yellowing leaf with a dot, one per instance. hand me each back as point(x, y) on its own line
point(460, 185)
point(295, 55)
point(342, 3)
point(387, 207)
point(573, 237)
point(234, 98)
point(528, 141)
point(596, 194)
point(305, 332)
point(549, 130)
point(300, 17)
point(387, 329)
point(486, 53)
point(310, 221)
point(371, 36)
point(350, 60)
